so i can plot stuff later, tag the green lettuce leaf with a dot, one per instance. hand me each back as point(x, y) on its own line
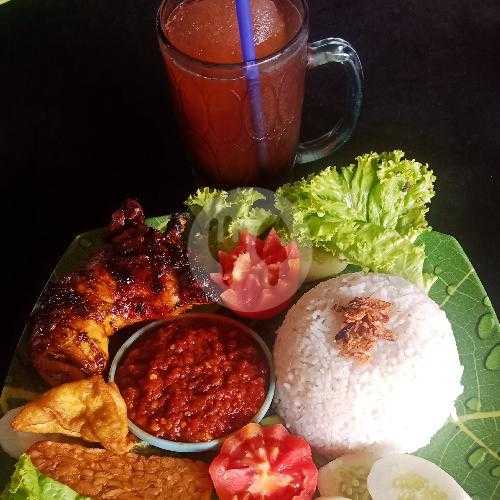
point(225, 213)
point(368, 214)
point(27, 483)
point(159, 223)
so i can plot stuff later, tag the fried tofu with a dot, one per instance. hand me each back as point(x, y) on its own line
point(90, 409)
point(101, 474)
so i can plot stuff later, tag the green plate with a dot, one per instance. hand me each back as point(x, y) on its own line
point(468, 448)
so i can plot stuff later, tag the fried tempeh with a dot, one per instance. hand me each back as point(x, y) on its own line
point(100, 474)
point(90, 409)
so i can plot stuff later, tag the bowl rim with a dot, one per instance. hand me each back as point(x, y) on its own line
point(179, 446)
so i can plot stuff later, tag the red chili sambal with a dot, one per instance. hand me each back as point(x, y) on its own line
point(194, 379)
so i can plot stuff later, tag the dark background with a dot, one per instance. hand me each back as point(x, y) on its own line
point(85, 121)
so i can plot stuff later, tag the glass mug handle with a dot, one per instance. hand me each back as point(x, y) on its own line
point(335, 50)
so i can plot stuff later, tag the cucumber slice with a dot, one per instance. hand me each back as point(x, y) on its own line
point(406, 476)
point(271, 420)
point(333, 498)
point(324, 265)
point(16, 443)
point(346, 476)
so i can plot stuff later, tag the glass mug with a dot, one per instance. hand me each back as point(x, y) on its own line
point(243, 129)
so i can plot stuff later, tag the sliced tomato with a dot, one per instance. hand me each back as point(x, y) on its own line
point(264, 463)
point(258, 277)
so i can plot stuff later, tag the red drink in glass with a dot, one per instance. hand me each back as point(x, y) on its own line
point(230, 144)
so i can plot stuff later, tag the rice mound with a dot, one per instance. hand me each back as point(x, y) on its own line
point(395, 402)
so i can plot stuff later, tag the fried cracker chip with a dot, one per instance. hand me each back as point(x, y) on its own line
point(90, 409)
point(101, 474)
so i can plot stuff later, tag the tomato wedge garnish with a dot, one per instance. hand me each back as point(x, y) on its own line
point(258, 277)
point(264, 463)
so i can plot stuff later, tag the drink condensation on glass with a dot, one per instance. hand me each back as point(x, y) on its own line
point(230, 143)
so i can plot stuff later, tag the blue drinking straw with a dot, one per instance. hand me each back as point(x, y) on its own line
point(245, 25)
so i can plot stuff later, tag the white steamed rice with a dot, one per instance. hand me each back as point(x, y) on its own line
point(393, 403)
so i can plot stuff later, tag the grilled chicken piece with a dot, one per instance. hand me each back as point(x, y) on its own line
point(140, 274)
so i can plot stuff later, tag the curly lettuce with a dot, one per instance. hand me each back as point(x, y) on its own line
point(27, 483)
point(369, 213)
point(225, 213)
